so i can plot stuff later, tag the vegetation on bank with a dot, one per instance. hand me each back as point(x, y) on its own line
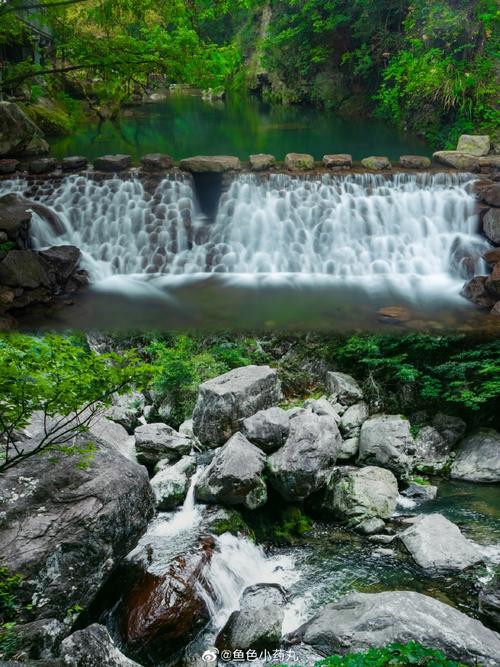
point(427, 66)
point(398, 655)
point(67, 382)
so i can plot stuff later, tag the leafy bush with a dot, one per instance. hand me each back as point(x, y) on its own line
point(64, 380)
point(9, 606)
point(393, 654)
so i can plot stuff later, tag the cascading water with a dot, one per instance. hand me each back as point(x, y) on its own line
point(355, 226)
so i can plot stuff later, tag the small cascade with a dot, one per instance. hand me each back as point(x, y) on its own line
point(187, 518)
point(357, 226)
point(236, 564)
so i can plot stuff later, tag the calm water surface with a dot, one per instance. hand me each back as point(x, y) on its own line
point(188, 125)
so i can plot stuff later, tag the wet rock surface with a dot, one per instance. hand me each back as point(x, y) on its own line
point(478, 458)
point(386, 441)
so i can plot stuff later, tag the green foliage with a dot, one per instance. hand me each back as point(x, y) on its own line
point(406, 373)
point(5, 246)
point(182, 363)
point(411, 653)
point(64, 380)
point(293, 523)
point(9, 606)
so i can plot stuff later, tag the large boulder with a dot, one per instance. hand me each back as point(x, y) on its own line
point(24, 268)
point(156, 162)
point(66, 520)
point(234, 477)
point(226, 400)
point(337, 161)
point(356, 494)
point(414, 162)
point(437, 544)
point(491, 225)
point(362, 620)
point(18, 133)
point(491, 195)
point(343, 387)
point(303, 464)
point(451, 428)
point(353, 418)
point(457, 160)
point(492, 283)
point(432, 451)
point(210, 163)
point(478, 457)
point(39, 640)
point(15, 219)
point(93, 647)
point(474, 144)
point(268, 429)
point(155, 442)
point(126, 409)
point(158, 598)
point(475, 290)
point(61, 261)
point(386, 441)
point(171, 482)
point(257, 623)
point(114, 435)
point(489, 603)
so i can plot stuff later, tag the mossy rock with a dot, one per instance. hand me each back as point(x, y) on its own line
point(224, 520)
point(51, 120)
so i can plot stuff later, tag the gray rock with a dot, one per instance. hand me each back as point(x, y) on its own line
point(226, 400)
point(268, 429)
point(348, 449)
point(360, 621)
point(74, 163)
point(437, 544)
point(171, 482)
point(61, 261)
point(337, 161)
point(155, 442)
point(414, 162)
point(8, 166)
point(126, 409)
point(491, 225)
point(299, 161)
point(93, 647)
point(478, 458)
point(40, 640)
point(257, 623)
point(376, 163)
point(489, 603)
point(432, 451)
point(370, 526)
point(420, 492)
point(344, 387)
point(356, 494)
point(210, 163)
point(474, 144)
point(386, 440)
point(322, 407)
point(61, 511)
point(302, 466)
point(451, 428)
point(353, 418)
point(114, 435)
point(491, 195)
point(113, 163)
point(18, 132)
point(234, 477)
point(43, 165)
point(156, 162)
point(457, 160)
point(490, 163)
point(262, 162)
point(24, 268)
point(186, 428)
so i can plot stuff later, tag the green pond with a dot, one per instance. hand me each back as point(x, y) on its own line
point(188, 125)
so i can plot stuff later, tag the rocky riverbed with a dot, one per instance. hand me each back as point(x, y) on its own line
point(170, 543)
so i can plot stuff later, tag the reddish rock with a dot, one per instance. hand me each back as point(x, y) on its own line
point(160, 613)
point(394, 314)
point(475, 290)
point(491, 225)
point(493, 282)
point(414, 162)
point(8, 166)
point(338, 161)
point(492, 256)
point(496, 309)
point(491, 195)
point(156, 162)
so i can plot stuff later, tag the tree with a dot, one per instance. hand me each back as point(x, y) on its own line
point(63, 380)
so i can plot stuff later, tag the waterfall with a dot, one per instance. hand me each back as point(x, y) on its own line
point(343, 226)
point(236, 564)
point(185, 519)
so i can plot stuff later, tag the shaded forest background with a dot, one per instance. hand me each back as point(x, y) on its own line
point(431, 66)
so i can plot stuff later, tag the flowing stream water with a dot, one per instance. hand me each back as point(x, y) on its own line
point(406, 238)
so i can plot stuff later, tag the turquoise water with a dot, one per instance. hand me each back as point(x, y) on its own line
point(187, 125)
